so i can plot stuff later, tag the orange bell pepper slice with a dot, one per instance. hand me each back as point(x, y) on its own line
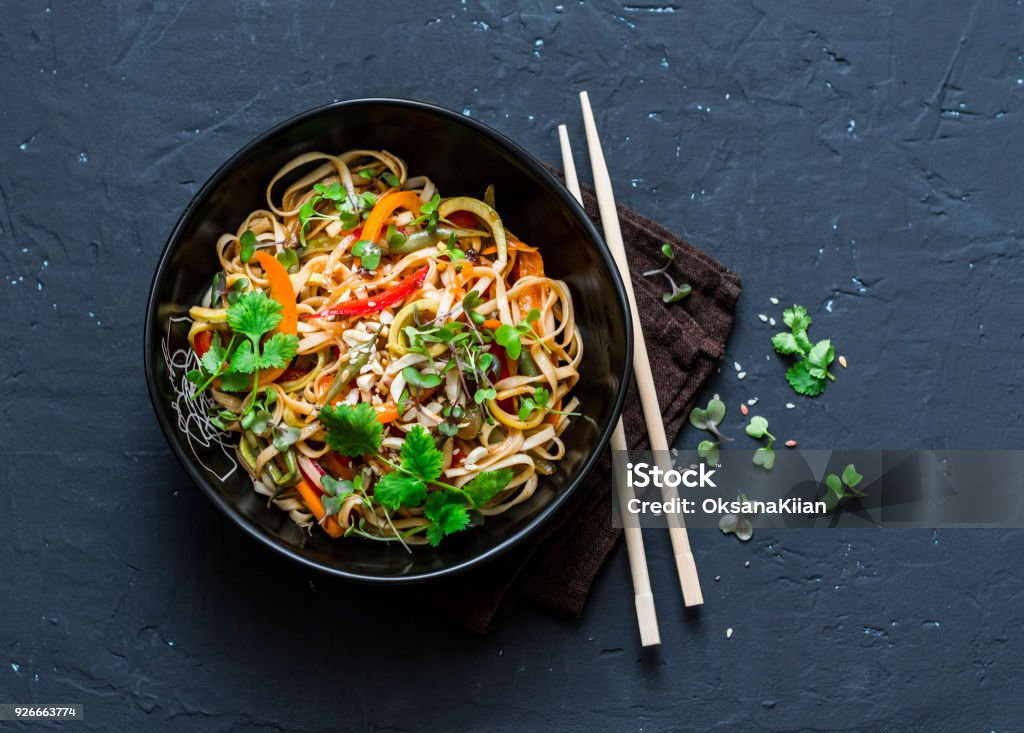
point(384, 208)
point(282, 291)
point(529, 263)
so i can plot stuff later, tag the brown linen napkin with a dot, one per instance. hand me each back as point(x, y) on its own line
point(685, 341)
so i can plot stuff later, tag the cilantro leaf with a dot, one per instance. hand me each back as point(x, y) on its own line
point(215, 356)
point(235, 381)
point(397, 489)
point(352, 430)
point(786, 343)
point(244, 361)
point(487, 485)
point(278, 350)
point(446, 514)
point(254, 314)
point(803, 382)
point(796, 318)
point(822, 354)
point(420, 456)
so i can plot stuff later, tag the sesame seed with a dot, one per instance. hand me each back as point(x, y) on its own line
point(753, 401)
point(771, 321)
point(790, 405)
point(728, 633)
point(775, 301)
point(791, 444)
point(842, 362)
point(763, 317)
point(746, 564)
point(736, 364)
point(741, 375)
point(744, 409)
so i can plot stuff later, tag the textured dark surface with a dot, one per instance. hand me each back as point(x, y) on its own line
point(862, 159)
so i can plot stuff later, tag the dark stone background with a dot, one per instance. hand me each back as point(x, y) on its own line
point(861, 158)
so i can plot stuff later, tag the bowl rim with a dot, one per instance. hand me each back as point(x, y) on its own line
point(205, 484)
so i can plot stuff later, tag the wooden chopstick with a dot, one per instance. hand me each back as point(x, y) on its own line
point(685, 565)
point(646, 617)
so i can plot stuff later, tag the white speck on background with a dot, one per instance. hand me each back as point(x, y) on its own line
point(852, 125)
point(15, 667)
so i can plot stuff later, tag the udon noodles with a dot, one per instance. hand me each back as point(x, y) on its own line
point(381, 295)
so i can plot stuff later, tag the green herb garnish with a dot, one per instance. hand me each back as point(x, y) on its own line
point(368, 253)
point(252, 316)
point(709, 418)
point(808, 376)
point(428, 213)
point(248, 242)
point(510, 336)
point(763, 456)
point(354, 431)
point(678, 292)
point(842, 487)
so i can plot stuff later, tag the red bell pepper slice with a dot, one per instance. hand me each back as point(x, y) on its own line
point(376, 303)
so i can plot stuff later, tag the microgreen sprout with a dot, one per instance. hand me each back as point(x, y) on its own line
point(428, 213)
point(709, 418)
point(842, 487)
point(368, 253)
point(737, 524)
point(757, 429)
point(678, 292)
point(511, 336)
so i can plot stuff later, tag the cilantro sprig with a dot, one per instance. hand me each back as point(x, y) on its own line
point(353, 430)
point(809, 374)
point(251, 317)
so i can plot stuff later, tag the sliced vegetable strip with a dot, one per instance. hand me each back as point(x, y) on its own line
point(375, 303)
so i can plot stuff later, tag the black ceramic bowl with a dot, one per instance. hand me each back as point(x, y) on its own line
point(463, 157)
